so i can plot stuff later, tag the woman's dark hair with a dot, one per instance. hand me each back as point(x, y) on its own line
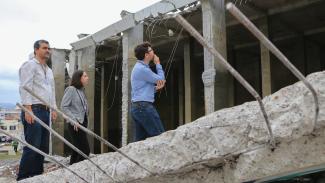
point(76, 79)
point(141, 50)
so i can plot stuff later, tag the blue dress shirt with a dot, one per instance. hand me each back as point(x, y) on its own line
point(143, 81)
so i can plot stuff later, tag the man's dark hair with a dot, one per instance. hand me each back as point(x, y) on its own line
point(141, 50)
point(38, 43)
point(76, 79)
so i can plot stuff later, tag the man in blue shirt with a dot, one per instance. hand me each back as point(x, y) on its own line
point(144, 84)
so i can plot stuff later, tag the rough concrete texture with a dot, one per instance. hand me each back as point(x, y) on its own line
point(229, 145)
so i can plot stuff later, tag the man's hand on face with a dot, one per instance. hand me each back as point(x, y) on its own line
point(156, 59)
point(160, 84)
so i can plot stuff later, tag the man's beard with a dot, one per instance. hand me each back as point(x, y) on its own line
point(47, 56)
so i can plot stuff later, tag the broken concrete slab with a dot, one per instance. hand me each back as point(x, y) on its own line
point(230, 145)
point(300, 153)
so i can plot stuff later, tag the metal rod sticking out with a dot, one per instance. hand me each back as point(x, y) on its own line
point(63, 139)
point(43, 154)
point(86, 130)
point(268, 44)
point(223, 61)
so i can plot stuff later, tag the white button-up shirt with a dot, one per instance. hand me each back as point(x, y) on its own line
point(39, 78)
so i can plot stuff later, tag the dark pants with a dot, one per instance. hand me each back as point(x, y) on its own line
point(31, 162)
point(79, 139)
point(146, 120)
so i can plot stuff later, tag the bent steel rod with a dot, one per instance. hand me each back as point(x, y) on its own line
point(86, 130)
point(223, 61)
point(270, 46)
point(62, 139)
point(42, 153)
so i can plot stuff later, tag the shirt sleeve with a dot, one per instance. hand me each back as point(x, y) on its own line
point(66, 102)
point(146, 74)
point(26, 75)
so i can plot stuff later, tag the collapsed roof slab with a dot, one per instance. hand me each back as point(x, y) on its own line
point(233, 143)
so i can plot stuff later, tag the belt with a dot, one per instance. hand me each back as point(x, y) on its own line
point(41, 106)
point(139, 102)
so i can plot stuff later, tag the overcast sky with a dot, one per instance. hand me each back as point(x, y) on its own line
point(22, 22)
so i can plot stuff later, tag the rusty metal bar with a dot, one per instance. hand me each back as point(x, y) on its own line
point(223, 61)
point(43, 154)
point(268, 44)
point(73, 122)
point(63, 139)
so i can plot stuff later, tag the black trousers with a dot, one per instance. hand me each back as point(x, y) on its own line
point(79, 139)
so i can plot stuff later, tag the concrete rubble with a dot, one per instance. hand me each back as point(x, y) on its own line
point(9, 167)
point(227, 146)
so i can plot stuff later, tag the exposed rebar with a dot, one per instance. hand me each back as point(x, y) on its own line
point(223, 61)
point(270, 46)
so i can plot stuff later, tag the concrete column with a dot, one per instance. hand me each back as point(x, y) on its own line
point(215, 77)
point(58, 59)
point(78, 61)
point(87, 63)
point(131, 38)
point(73, 62)
point(181, 91)
point(187, 81)
point(265, 61)
point(103, 112)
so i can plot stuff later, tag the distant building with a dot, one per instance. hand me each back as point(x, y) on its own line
point(10, 122)
point(14, 127)
point(6, 114)
point(2, 115)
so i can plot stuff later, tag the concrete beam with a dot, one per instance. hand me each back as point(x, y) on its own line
point(103, 112)
point(187, 81)
point(58, 59)
point(160, 8)
point(86, 60)
point(297, 154)
point(265, 61)
point(131, 38)
point(181, 92)
point(111, 30)
point(130, 21)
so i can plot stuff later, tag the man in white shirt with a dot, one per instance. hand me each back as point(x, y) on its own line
point(37, 76)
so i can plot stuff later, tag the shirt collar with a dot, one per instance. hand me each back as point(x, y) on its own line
point(35, 60)
point(142, 62)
